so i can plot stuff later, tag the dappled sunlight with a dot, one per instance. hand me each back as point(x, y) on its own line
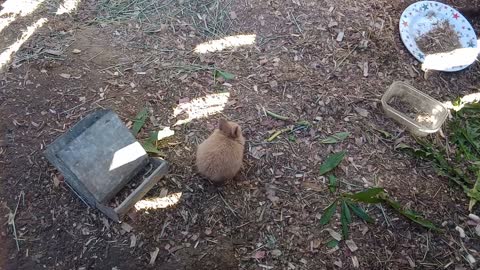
point(7, 54)
point(449, 60)
point(201, 107)
point(225, 43)
point(13, 8)
point(465, 100)
point(126, 155)
point(158, 203)
point(68, 6)
point(165, 133)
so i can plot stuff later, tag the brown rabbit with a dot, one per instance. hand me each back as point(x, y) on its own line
point(220, 156)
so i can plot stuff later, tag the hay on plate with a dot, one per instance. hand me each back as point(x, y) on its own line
point(442, 38)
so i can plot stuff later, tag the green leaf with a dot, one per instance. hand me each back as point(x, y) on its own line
point(139, 121)
point(151, 148)
point(474, 193)
point(227, 76)
point(152, 138)
point(357, 210)
point(335, 138)
point(332, 186)
point(345, 224)
point(346, 212)
point(332, 243)
point(328, 213)
point(385, 134)
point(303, 123)
point(419, 153)
point(409, 213)
point(331, 162)
point(292, 138)
point(367, 196)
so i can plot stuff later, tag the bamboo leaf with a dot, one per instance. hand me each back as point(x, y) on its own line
point(335, 138)
point(328, 213)
point(345, 224)
point(359, 212)
point(332, 185)
point(151, 148)
point(331, 162)
point(139, 121)
point(332, 243)
point(409, 214)
point(226, 75)
point(346, 212)
point(367, 196)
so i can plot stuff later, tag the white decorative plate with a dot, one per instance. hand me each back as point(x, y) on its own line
point(420, 17)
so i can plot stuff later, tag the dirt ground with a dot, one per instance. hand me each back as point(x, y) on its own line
point(101, 56)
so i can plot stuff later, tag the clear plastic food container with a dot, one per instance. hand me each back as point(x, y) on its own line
point(417, 111)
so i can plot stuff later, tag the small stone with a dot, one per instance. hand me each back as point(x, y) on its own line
point(276, 253)
point(460, 231)
point(332, 24)
point(474, 217)
point(273, 84)
point(340, 36)
point(470, 259)
point(76, 51)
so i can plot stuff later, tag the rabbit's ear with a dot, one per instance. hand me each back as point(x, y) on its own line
point(236, 132)
point(224, 127)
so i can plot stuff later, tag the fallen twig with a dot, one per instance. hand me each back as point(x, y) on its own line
point(277, 133)
point(274, 115)
point(11, 219)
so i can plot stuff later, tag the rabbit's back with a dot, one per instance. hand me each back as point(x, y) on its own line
point(219, 158)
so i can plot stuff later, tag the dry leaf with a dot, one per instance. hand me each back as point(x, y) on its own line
point(126, 227)
point(56, 181)
point(257, 152)
point(163, 192)
point(313, 186)
point(271, 195)
point(133, 240)
point(259, 255)
point(334, 234)
point(351, 245)
point(361, 112)
point(355, 262)
point(365, 69)
point(53, 52)
point(153, 255)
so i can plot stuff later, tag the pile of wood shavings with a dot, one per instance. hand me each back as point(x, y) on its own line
point(440, 39)
point(409, 110)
